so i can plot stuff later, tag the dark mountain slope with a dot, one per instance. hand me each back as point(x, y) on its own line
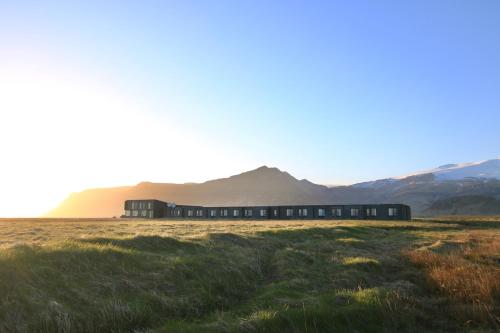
point(465, 205)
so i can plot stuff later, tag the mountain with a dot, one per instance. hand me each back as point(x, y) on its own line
point(270, 186)
point(423, 190)
point(262, 186)
point(484, 169)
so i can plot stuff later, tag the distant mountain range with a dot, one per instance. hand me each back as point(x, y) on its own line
point(468, 188)
point(484, 169)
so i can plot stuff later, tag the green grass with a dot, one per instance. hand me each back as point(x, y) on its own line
point(232, 276)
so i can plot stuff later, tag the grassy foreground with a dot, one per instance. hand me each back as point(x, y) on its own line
point(249, 276)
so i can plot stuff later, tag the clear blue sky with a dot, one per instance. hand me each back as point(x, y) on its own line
point(334, 91)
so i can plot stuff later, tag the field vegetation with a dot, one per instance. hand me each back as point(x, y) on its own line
point(434, 275)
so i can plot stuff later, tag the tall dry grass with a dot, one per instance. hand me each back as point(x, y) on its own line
point(468, 275)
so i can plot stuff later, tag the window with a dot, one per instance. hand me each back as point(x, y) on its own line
point(178, 212)
point(135, 213)
point(302, 211)
point(199, 212)
point(275, 212)
point(263, 212)
point(236, 213)
point(354, 211)
point(289, 212)
point(150, 214)
point(339, 212)
point(190, 212)
point(144, 213)
point(321, 212)
point(393, 211)
point(371, 212)
point(150, 205)
point(134, 205)
point(248, 212)
point(213, 213)
point(223, 212)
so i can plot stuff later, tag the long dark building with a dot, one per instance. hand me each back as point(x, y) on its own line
point(156, 209)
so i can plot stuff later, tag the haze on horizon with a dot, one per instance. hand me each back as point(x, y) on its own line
point(100, 94)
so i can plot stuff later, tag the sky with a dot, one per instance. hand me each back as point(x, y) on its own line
point(109, 93)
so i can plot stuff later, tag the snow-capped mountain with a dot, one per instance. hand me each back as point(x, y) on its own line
point(483, 169)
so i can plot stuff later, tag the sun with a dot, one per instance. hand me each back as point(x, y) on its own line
point(63, 132)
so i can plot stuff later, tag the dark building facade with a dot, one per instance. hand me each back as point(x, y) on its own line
point(154, 209)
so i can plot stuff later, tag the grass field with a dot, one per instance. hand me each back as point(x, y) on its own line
point(250, 276)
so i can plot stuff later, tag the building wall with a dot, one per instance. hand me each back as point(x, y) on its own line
point(144, 208)
point(160, 209)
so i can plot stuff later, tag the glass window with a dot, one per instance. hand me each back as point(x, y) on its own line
point(263, 212)
point(190, 212)
point(321, 212)
point(144, 213)
point(275, 212)
point(302, 211)
point(371, 212)
point(289, 212)
point(135, 213)
point(337, 212)
point(248, 212)
point(150, 205)
point(393, 211)
point(236, 213)
point(213, 213)
point(127, 213)
point(199, 212)
point(354, 211)
point(223, 212)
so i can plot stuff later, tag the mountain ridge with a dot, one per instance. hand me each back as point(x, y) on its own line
point(272, 186)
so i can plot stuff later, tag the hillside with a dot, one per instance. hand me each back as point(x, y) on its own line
point(465, 205)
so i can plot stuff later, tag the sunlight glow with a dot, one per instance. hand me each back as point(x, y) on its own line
point(61, 135)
